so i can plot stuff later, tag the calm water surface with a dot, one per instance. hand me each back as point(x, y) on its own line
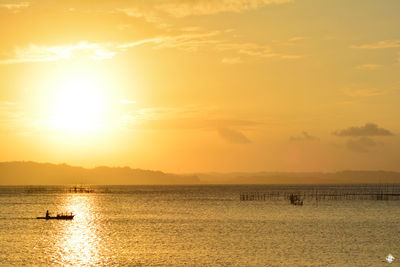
point(194, 226)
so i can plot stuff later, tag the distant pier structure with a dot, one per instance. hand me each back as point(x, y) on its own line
point(253, 196)
point(261, 196)
point(295, 194)
point(80, 189)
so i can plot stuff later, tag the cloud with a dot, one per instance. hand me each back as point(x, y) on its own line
point(233, 136)
point(379, 45)
point(254, 50)
point(190, 41)
point(364, 92)
point(195, 38)
point(361, 145)
point(14, 119)
point(9, 110)
point(368, 67)
point(183, 8)
point(304, 136)
point(139, 42)
point(15, 7)
point(189, 122)
point(296, 38)
point(231, 60)
point(348, 102)
point(137, 13)
point(369, 129)
point(291, 56)
point(159, 11)
point(184, 118)
point(101, 51)
point(213, 40)
point(35, 53)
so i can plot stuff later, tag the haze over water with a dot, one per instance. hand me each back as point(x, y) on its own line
point(195, 226)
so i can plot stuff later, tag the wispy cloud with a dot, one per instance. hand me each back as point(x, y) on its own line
point(136, 12)
point(13, 117)
point(159, 11)
point(233, 136)
point(361, 145)
point(369, 129)
point(231, 60)
point(296, 38)
point(304, 136)
point(139, 43)
point(379, 45)
point(364, 92)
point(189, 117)
point(14, 7)
point(100, 51)
point(36, 53)
point(183, 8)
point(254, 50)
point(283, 56)
point(189, 41)
point(8, 110)
point(369, 67)
point(213, 40)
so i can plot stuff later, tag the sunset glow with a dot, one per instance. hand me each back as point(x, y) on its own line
point(187, 86)
point(199, 132)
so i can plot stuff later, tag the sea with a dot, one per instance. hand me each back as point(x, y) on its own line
point(199, 225)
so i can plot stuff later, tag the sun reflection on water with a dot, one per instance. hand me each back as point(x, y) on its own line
point(79, 241)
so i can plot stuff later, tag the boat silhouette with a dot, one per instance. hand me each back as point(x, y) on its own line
point(60, 216)
point(295, 200)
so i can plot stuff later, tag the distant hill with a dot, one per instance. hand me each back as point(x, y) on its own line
point(342, 177)
point(32, 173)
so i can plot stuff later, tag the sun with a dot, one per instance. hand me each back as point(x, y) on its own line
point(78, 105)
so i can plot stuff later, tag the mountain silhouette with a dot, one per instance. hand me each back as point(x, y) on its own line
point(33, 173)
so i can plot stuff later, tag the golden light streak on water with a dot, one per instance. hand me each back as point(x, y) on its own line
point(79, 242)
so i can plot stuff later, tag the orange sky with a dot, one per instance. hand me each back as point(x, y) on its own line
point(207, 85)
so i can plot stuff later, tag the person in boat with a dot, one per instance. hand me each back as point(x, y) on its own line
point(292, 198)
point(47, 214)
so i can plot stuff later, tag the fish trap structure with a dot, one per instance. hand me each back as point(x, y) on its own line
point(260, 196)
point(296, 194)
point(355, 192)
point(295, 199)
point(253, 196)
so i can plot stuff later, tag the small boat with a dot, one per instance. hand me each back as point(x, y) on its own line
point(295, 200)
point(60, 216)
